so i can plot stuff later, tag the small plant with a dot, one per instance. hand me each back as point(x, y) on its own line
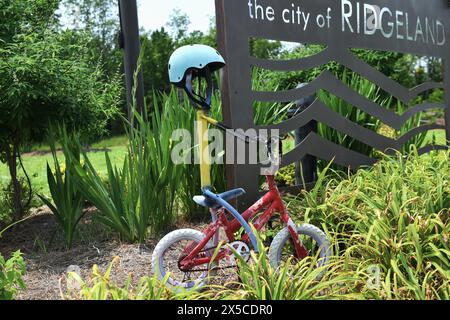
point(11, 272)
point(286, 176)
point(29, 200)
point(292, 280)
point(101, 287)
point(68, 200)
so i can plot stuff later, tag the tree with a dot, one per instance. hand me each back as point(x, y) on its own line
point(264, 49)
point(157, 47)
point(100, 19)
point(25, 16)
point(179, 24)
point(434, 66)
point(46, 77)
point(397, 66)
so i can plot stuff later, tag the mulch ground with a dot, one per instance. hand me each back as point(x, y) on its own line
point(48, 261)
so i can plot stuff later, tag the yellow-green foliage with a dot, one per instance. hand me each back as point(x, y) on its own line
point(293, 280)
point(286, 176)
point(394, 216)
point(11, 272)
point(99, 286)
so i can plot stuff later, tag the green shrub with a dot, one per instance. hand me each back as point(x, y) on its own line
point(286, 176)
point(7, 201)
point(68, 200)
point(11, 272)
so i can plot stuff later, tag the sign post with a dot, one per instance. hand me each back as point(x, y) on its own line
point(131, 44)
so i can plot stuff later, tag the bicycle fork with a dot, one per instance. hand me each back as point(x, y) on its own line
point(300, 251)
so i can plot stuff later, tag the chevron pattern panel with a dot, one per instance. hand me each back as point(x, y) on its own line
point(418, 27)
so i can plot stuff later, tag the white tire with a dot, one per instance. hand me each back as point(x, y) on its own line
point(278, 243)
point(159, 264)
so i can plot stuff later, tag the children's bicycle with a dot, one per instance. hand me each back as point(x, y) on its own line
point(190, 257)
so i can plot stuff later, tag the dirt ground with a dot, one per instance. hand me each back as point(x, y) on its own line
point(48, 261)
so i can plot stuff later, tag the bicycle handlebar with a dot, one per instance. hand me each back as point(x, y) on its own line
point(247, 139)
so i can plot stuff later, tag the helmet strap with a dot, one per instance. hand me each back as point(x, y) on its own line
point(205, 102)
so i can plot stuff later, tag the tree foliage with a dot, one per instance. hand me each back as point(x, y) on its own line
point(158, 46)
point(47, 76)
point(24, 17)
point(398, 67)
point(99, 19)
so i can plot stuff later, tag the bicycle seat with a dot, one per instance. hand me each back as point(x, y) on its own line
point(211, 203)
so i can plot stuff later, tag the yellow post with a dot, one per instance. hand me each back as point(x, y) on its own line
point(205, 161)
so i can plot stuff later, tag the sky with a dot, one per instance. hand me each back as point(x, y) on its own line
point(154, 14)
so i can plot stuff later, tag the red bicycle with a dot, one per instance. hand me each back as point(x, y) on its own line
point(188, 257)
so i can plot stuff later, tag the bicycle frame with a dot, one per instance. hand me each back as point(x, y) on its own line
point(271, 203)
point(194, 255)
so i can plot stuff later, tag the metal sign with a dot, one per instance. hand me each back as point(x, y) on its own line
point(419, 27)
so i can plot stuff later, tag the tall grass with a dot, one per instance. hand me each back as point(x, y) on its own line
point(179, 111)
point(68, 200)
point(394, 216)
point(154, 176)
point(139, 198)
point(146, 194)
point(366, 89)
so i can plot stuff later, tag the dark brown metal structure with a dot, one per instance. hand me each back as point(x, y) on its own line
point(130, 43)
point(418, 27)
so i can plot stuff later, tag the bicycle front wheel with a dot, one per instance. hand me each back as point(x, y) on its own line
point(312, 238)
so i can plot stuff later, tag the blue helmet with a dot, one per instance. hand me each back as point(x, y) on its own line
point(195, 61)
point(193, 57)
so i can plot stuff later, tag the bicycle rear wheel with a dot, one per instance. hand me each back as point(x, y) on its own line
point(169, 252)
